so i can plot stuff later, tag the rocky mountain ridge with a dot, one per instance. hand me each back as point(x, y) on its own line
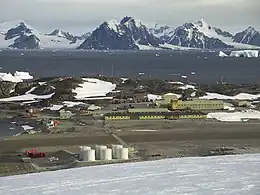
point(128, 34)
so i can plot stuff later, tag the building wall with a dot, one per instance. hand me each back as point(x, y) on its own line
point(198, 104)
point(158, 116)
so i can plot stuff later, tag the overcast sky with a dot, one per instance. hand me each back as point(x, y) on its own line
point(83, 15)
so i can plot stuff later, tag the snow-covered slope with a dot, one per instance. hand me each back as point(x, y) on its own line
point(241, 96)
point(16, 77)
point(19, 35)
point(222, 54)
point(198, 35)
point(245, 53)
point(248, 36)
point(93, 88)
point(231, 175)
point(241, 53)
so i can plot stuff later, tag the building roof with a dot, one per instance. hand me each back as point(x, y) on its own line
point(135, 110)
point(202, 101)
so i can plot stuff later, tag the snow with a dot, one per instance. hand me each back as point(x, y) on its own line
point(16, 77)
point(176, 83)
point(222, 54)
point(54, 107)
point(146, 47)
point(42, 83)
point(26, 97)
point(210, 32)
point(29, 102)
point(152, 97)
point(31, 90)
point(46, 41)
point(241, 96)
point(235, 116)
point(245, 53)
point(112, 24)
point(238, 174)
point(144, 130)
point(176, 47)
point(187, 87)
point(93, 88)
point(70, 104)
point(124, 80)
point(230, 108)
point(27, 127)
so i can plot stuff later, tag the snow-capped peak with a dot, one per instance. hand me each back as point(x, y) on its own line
point(112, 24)
point(250, 30)
point(57, 32)
point(9, 24)
point(203, 24)
point(129, 22)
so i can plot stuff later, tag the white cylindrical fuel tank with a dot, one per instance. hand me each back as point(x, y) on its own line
point(114, 151)
point(98, 150)
point(89, 155)
point(82, 149)
point(123, 153)
point(106, 154)
point(118, 147)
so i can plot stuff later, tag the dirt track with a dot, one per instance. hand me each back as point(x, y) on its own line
point(138, 137)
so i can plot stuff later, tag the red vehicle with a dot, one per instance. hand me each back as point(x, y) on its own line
point(34, 154)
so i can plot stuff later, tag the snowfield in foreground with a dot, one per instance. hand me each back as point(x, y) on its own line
point(235, 116)
point(205, 176)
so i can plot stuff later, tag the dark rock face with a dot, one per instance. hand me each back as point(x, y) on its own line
point(21, 88)
point(26, 42)
point(5, 88)
point(223, 33)
point(139, 32)
point(20, 30)
point(120, 36)
point(249, 36)
point(105, 38)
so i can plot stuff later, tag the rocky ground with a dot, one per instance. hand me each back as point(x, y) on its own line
point(131, 88)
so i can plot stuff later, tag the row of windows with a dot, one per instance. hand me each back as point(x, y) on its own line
point(153, 117)
point(200, 105)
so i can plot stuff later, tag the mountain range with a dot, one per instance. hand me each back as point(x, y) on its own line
point(128, 34)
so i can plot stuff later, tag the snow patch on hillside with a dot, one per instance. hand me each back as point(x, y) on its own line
point(26, 97)
point(241, 96)
point(93, 88)
point(16, 77)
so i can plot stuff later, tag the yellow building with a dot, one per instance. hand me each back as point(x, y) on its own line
point(197, 104)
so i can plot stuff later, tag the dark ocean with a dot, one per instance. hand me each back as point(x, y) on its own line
point(208, 67)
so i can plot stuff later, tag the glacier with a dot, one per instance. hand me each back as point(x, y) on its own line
point(217, 175)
